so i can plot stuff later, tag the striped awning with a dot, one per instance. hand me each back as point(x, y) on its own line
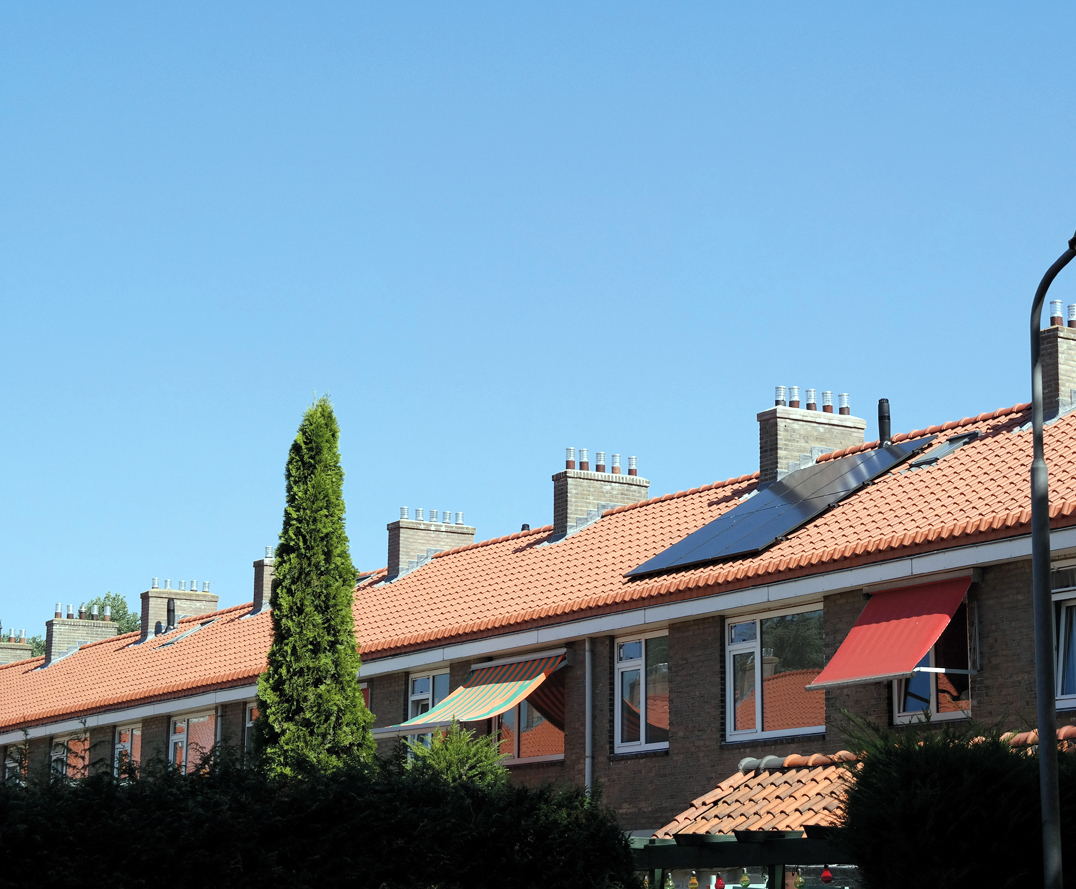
point(489, 692)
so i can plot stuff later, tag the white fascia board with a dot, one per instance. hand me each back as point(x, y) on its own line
point(170, 707)
point(789, 592)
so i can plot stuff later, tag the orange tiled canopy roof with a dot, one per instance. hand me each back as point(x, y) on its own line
point(977, 493)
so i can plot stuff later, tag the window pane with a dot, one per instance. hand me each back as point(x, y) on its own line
point(419, 707)
point(179, 726)
point(537, 735)
point(743, 691)
point(252, 714)
point(177, 754)
point(792, 656)
point(136, 746)
point(744, 632)
point(629, 706)
point(440, 688)
point(420, 686)
point(506, 725)
point(657, 690)
point(915, 692)
point(1068, 651)
point(1063, 578)
point(629, 651)
point(202, 736)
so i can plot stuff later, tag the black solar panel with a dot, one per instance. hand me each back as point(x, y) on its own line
point(779, 509)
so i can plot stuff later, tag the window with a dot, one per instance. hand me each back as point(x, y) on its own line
point(534, 729)
point(128, 748)
point(365, 689)
point(1063, 582)
point(941, 685)
point(14, 763)
point(778, 654)
point(642, 697)
point(192, 738)
point(253, 712)
point(69, 757)
point(426, 692)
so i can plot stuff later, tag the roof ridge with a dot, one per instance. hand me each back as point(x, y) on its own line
point(39, 657)
point(930, 430)
point(492, 541)
point(680, 494)
point(795, 761)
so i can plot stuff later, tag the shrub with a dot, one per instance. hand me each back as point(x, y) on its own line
point(456, 756)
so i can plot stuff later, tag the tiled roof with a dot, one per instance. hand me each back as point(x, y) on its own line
point(774, 794)
point(978, 492)
point(118, 672)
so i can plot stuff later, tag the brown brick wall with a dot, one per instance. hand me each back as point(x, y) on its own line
point(233, 723)
point(788, 433)
point(155, 738)
point(1058, 367)
point(101, 749)
point(575, 492)
point(409, 539)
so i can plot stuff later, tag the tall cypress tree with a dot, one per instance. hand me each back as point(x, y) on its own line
point(313, 717)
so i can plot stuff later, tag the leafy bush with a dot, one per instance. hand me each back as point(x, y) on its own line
point(951, 805)
point(457, 756)
point(357, 826)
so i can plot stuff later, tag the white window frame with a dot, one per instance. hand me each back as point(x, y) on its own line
point(619, 667)
point(13, 763)
point(917, 716)
point(60, 750)
point(1064, 598)
point(174, 738)
point(118, 746)
point(755, 647)
point(413, 698)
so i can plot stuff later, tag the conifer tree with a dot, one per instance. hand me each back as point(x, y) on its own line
point(313, 718)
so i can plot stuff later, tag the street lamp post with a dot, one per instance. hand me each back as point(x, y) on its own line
point(1044, 612)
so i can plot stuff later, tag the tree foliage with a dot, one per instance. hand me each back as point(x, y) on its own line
point(128, 621)
point(313, 717)
point(952, 804)
point(456, 756)
point(359, 826)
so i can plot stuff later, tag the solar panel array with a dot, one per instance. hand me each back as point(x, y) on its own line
point(779, 509)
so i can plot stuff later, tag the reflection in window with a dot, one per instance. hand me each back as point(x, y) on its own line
point(70, 757)
point(128, 748)
point(643, 702)
point(1065, 621)
point(941, 695)
point(535, 727)
point(192, 740)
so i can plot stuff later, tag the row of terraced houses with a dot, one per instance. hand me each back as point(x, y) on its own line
point(646, 643)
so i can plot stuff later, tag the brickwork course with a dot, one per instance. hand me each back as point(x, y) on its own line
point(543, 589)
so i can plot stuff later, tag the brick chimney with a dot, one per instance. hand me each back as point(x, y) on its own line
point(581, 496)
point(187, 603)
point(413, 541)
point(791, 437)
point(263, 581)
point(14, 648)
point(65, 634)
point(1058, 361)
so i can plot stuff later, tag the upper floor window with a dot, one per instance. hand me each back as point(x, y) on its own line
point(534, 729)
point(14, 763)
point(769, 661)
point(128, 747)
point(69, 757)
point(1063, 582)
point(642, 699)
point(192, 738)
point(941, 683)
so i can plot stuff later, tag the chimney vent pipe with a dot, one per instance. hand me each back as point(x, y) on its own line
point(59, 610)
point(93, 612)
point(403, 513)
point(794, 396)
point(1072, 315)
point(171, 614)
point(827, 402)
point(107, 616)
point(167, 584)
point(183, 586)
point(884, 435)
point(633, 468)
point(812, 401)
point(525, 527)
point(779, 396)
point(584, 460)
point(599, 462)
point(268, 552)
point(155, 584)
point(81, 611)
point(459, 518)
point(419, 514)
point(843, 407)
point(433, 515)
point(569, 458)
point(1055, 313)
point(22, 636)
point(205, 586)
point(616, 464)
point(70, 611)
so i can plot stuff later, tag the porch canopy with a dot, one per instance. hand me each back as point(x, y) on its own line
point(894, 633)
point(489, 692)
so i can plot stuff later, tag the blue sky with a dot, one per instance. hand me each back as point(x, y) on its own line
point(488, 231)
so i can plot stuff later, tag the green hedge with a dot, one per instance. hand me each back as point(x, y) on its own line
point(946, 806)
point(229, 826)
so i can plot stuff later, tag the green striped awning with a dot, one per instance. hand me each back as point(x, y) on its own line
point(489, 692)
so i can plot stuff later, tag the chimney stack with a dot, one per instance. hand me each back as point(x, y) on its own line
point(264, 572)
point(1058, 345)
point(580, 495)
point(413, 541)
point(66, 634)
point(12, 650)
point(155, 618)
point(791, 437)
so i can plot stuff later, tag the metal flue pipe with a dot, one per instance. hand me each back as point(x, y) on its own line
point(1044, 612)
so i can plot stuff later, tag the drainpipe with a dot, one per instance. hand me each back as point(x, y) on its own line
point(588, 770)
point(1044, 611)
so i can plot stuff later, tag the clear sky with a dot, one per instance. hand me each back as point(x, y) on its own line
point(489, 231)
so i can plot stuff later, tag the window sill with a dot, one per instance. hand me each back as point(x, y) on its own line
point(638, 754)
point(755, 740)
point(534, 760)
point(1065, 703)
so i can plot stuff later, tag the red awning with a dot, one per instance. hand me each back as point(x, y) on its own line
point(894, 633)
